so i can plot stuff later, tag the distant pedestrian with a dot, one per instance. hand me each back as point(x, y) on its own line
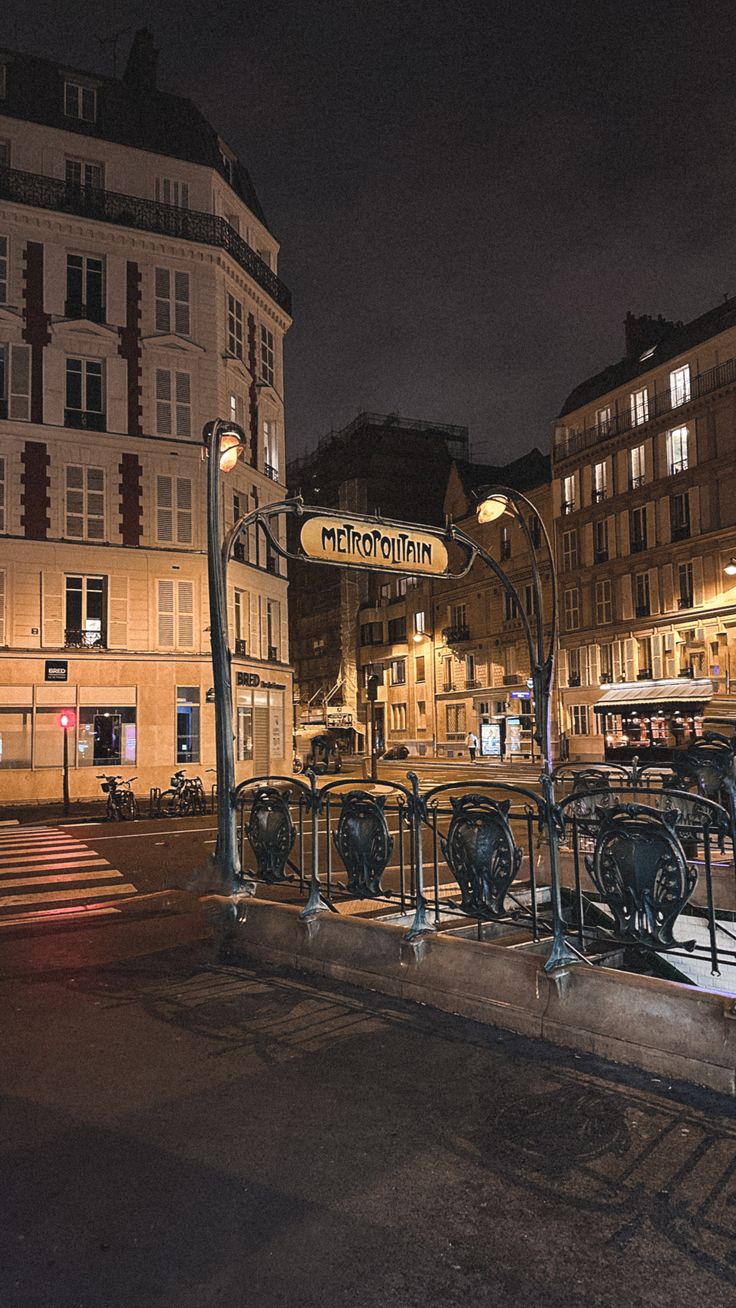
point(471, 744)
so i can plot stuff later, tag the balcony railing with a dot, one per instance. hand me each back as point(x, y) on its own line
point(454, 635)
point(76, 639)
point(271, 472)
point(638, 544)
point(643, 610)
point(712, 379)
point(273, 654)
point(600, 556)
point(685, 602)
point(146, 215)
point(241, 648)
point(680, 531)
point(85, 419)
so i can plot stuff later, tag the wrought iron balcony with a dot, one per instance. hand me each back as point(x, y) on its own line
point(599, 495)
point(680, 531)
point(455, 635)
point(270, 471)
point(76, 639)
point(638, 544)
point(241, 648)
point(273, 654)
point(685, 602)
point(239, 553)
point(146, 215)
point(600, 556)
point(643, 610)
point(573, 680)
point(85, 419)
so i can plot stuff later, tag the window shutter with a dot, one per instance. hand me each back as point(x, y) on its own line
point(662, 462)
point(657, 657)
point(562, 668)
point(166, 614)
point(181, 303)
point(630, 658)
point(668, 589)
point(594, 665)
point(626, 600)
point(587, 485)
point(185, 633)
point(622, 472)
point(183, 404)
point(697, 583)
point(651, 519)
point(611, 533)
point(117, 623)
point(649, 459)
point(184, 510)
point(164, 509)
point(623, 533)
point(653, 591)
point(255, 626)
point(19, 390)
point(694, 497)
point(588, 543)
point(163, 402)
point(609, 474)
point(584, 667)
point(163, 293)
point(52, 609)
point(556, 497)
point(663, 520)
point(2, 608)
point(617, 659)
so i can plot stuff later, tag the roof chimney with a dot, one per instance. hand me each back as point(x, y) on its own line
point(643, 333)
point(140, 70)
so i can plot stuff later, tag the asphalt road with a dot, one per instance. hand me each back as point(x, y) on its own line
point(184, 1135)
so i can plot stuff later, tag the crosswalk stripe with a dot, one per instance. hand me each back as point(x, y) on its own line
point(82, 855)
point(55, 896)
point(50, 915)
point(55, 875)
point(52, 880)
point(98, 865)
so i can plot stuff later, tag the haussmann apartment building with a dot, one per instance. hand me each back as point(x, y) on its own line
point(139, 298)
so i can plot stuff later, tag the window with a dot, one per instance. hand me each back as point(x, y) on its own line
point(641, 595)
point(579, 720)
point(459, 615)
point(638, 530)
point(384, 590)
point(16, 732)
point(599, 482)
point(400, 586)
point(398, 672)
point(573, 667)
point(245, 732)
point(174, 510)
point(176, 614)
point(85, 503)
point(600, 541)
point(570, 549)
point(85, 287)
point(644, 658)
point(173, 403)
point(79, 173)
point(505, 543)
point(270, 450)
point(568, 494)
point(107, 736)
point(187, 724)
point(2, 507)
point(603, 421)
point(571, 608)
point(234, 327)
point(680, 516)
point(398, 717)
point(685, 585)
point(267, 356)
point(455, 721)
point(242, 621)
point(530, 601)
point(169, 190)
point(535, 530)
point(606, 663)
point(15, 382)
point(273, 630)
point(371, 633)
point(680, 385)
point(419, 668)
point(509, 606)
point(603, 601)
point(639, 407)
point(84, 394)
point(85, 612)
point(3, 270)
point(80, 102)
point(421, 715)
point(396, 629)
point(637, 467)
point(172, 301)
point(236, 406)
point(677, 450)
point(419, 623)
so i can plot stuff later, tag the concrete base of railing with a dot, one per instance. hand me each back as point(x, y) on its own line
point(659, 1026)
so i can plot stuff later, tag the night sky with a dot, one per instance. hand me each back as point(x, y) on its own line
point(469, 196)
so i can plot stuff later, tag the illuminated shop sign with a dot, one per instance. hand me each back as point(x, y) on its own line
point(354, 541)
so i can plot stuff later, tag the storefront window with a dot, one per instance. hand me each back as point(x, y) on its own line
point(187, 724)
point(245, 733)
point(15, 737)
point(49, 745)
point(107, 737)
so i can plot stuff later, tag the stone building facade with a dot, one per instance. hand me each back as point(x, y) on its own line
point(139, 298)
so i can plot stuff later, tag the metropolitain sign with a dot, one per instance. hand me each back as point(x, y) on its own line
point(357, 543)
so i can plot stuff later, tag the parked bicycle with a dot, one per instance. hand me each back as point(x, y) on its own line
point(184, 798)
point(122, 805)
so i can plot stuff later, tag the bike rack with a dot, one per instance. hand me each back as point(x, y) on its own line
point(154, 802)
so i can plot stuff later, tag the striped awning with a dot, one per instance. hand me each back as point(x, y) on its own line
point(677, 693)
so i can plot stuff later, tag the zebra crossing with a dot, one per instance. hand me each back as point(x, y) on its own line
point(46, 874)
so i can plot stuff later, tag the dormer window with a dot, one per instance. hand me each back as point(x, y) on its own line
point(228, 167)
point(80, 102)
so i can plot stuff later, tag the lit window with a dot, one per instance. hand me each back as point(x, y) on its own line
point(639, 407)
point(568, 494)
point(398, 672)
point(603, 421)
point(579, 720)
point(680, 386)
point(599, 482)
point(637, 467)
point(677, 450)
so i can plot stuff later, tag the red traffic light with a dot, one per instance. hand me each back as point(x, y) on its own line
point(66, 719)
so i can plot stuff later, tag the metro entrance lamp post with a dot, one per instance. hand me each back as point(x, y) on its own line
point(493, 503)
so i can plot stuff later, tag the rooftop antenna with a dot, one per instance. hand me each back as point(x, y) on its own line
point(112, 41)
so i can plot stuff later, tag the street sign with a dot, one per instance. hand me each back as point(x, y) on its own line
point(359, 542)
point(338, 721)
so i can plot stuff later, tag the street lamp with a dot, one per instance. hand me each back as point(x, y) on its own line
point(224, 443)
point(493, 502)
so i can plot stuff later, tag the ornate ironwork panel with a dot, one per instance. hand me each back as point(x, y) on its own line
point(271, 833)
point(591, 791)
point(706, 766)
point(363, 842)
point(641, 872)
point(481, 853)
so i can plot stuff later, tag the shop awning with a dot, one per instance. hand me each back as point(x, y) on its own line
point(677, 693)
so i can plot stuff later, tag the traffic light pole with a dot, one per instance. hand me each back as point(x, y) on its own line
point(65, 773)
